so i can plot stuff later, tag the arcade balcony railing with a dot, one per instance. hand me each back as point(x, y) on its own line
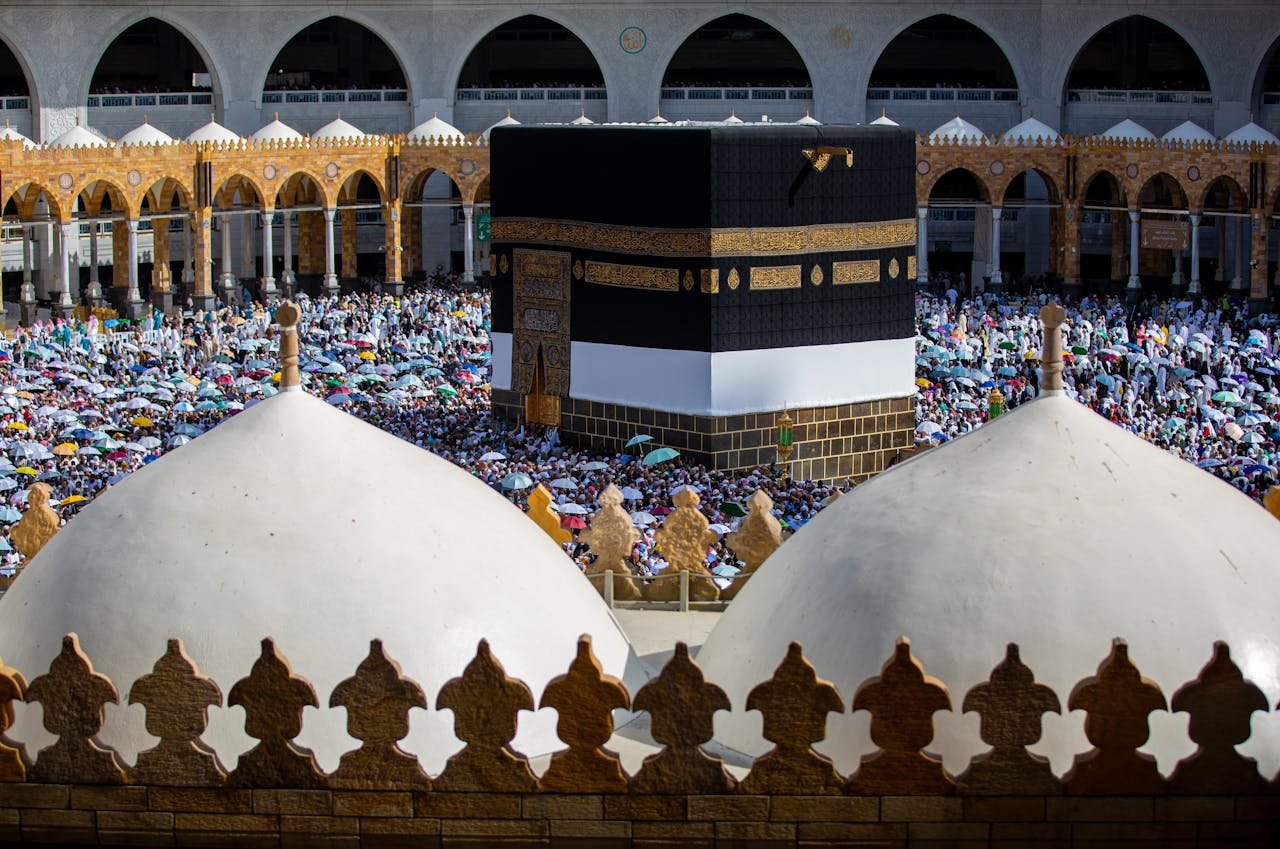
point(151, 99)
point(734, 93)
point(528, 95)
point(375, 95)
point(1139, 96)
point(944, 95)
point(1271, 98)
point(15, 103)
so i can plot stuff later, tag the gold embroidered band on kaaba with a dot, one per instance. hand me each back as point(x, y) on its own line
point(633, 276)
point(718, 242)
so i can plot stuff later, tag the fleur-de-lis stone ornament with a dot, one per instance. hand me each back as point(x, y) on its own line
point(1011, 705)
point(683, 540)
point(611, 536)
point(795, 704)
point(682, 705)
point(378, 699)
point(13, 755)
point(73, 696)
point(1221, 703)
point(585, 699)
point(756, 538)
point(902, 702)
point(1118, 701)
point(485, 701)
point(273, 699)
point(177, 698)
point(544, 517)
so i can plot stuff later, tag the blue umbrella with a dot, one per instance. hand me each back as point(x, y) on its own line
point(637, 440)
point(1006, 371)
point(660, 455)
point(1105, 380)
point(517, 480)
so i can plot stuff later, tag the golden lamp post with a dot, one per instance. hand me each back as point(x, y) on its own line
point(784, 441)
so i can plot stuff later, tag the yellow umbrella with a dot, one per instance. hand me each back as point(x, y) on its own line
point(72, 499)
point(25, 394)
point(922, 383)
point(459, 314)
point(237, 320)
point(66, 449)
point(25, 470)
point(190, 343)
point(1031, 355)
point(16, 426)
point(368, 355)
point(141, 421)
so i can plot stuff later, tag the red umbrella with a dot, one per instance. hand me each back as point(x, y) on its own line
point(118, 455)
point(660, 511)
point(573, 523)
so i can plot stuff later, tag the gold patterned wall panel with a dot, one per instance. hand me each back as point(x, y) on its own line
point(775, 277)
point(633, 276)
point(757, 241)
point(856, 271)
point(541, 283)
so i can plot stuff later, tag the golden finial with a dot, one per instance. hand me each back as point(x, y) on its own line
point(287, 316)
point(1052, 315)
point(38, 524)
point(1272, 501)
point(277, 116)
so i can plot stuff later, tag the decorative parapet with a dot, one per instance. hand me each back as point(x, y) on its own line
point(486, 703)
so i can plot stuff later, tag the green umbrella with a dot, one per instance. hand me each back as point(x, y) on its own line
point(733, 508)
point(446, 390)
point(1226, 397)
point(1007, 346)
point(1079, 351)
point(660, 455)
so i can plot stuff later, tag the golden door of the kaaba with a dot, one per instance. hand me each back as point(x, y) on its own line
point(540, 349)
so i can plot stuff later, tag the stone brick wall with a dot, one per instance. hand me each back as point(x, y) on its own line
point(85, 815)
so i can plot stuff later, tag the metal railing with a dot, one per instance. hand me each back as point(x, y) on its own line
point(15, 103)
point(944, 95)
point(377, 95)
point(1269, 98)
point(171, 98)
point(736, 93)
point(604, 582)
point(1139, 96)
point(507, 95)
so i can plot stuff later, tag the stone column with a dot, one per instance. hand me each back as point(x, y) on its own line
point(161, 274)
point(348, 243)
point(1259, 242)
point(1221, 276)
point(1071, 250)
point(226, 280)
point(411, 233)
point(1238, 275)
point(468, 245)
point(95, 282)
point(1135, 281)
point(27, 293)
point(267, 290)
point(922, 246)
point(1194, 287)
point(997, 279)
point(1178, 280)
point(202, 258)
point(393, 248)
point(63, 304)
point(188, 254)
point(330, 279)
point(1117, 244)
point(48, 286)
point(287, 277)
point(248, 252)
point(133, 305)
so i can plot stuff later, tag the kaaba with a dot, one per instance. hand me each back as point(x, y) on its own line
point(694, 282)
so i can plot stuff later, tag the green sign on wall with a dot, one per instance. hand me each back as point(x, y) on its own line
point(482, 226)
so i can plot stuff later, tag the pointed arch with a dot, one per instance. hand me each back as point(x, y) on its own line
point(1119, 56)
point(944, 50)
point(529, 50)
point(1267, 79)
point(174, 32)
point(336, 52)
point(720, 47)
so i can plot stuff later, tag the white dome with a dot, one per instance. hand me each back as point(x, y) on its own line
point(1130, 130)
point(297, 521)
point(10, 133)
point(1252, 133)
point(657, 119)
point(507, 121)
point(212, 132)
point(79, 136)
point(733, 119)
point(582, 120)
point(1188, 131)
point(144, 133)
point(809, 120)
point(434, 128)
point(1049, 527)
point(277, 130)
point(958, 129)
point(1031, 130)
point(338, 129)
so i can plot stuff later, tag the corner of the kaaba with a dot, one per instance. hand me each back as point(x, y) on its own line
point(693, 282)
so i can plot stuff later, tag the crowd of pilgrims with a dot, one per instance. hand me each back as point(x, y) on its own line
point(82, 405)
